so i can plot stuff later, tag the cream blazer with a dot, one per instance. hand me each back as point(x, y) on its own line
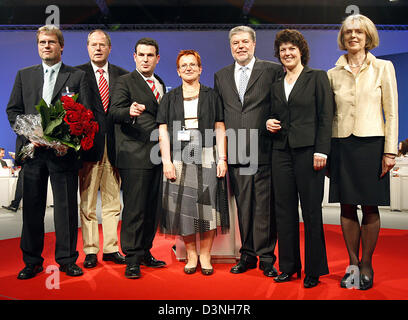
point(362, 99)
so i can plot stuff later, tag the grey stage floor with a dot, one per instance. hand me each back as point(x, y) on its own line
point(10, 222)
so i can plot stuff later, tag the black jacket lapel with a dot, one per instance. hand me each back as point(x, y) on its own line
point(256, 72)
point(302, 80)
point(61, 80)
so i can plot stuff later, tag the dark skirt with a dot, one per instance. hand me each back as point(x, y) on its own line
point(355, 169)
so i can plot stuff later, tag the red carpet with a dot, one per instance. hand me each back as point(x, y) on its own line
point(107, 281)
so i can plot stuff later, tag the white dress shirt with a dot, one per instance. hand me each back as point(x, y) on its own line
point(98, 75)
point(237, 71)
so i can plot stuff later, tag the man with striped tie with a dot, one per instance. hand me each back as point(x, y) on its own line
point(98, 171)
point(134, 108)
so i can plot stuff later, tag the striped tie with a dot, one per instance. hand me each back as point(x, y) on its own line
point(49, 83)
point(103, 90)
point(154, 89)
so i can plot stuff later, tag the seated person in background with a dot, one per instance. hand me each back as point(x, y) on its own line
point(18, 195)
point(403, 148)
point(3, 163)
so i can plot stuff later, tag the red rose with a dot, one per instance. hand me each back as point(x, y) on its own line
point(87, 115)
point(69, 103)
point(86, 143)
point(76, 128)
point(72, 116)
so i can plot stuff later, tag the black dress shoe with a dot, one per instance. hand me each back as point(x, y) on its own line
point(11, 208)
point(268, 269)
point(310, 282)
point(285, 277)
point(116, 257)
point(150, 261)
point(242, 266)
point(132, 271)
point(90, 261)
point(29, 271)
point(71, 269)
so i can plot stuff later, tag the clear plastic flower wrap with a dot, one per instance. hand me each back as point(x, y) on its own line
point(29, 125)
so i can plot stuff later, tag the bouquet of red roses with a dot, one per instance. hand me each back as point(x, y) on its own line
point(67, 124)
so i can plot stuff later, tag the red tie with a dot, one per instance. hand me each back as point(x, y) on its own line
point(103, 90)
point(154, 89)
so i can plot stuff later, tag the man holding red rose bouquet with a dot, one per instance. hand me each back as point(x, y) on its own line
point(48, 81)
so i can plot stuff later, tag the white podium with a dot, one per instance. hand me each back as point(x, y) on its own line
point(399, 185)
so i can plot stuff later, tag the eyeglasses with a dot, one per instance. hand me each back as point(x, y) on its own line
point(184, 67)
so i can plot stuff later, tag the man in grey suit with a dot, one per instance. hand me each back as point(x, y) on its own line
point(49, 81)
point(245, 91)
point(98, 171)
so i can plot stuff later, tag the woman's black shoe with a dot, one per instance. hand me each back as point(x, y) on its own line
point(366, 282)
point(346, 282)
point(285, 277)
point(310, 281)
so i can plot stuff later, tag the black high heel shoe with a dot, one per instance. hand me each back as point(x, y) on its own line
point(206, 272)
point(366, 282)
point(285, 277)
point(346, 282)
point(191, 270)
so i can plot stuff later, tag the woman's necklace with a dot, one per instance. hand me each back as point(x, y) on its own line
point(357, 65)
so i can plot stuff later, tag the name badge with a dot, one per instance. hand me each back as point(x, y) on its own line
point(68, 93)
point(183, 135)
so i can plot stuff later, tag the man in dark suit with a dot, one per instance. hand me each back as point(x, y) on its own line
point(245, 90)
point(98, 171)
point(48, 80)
point(134, 107)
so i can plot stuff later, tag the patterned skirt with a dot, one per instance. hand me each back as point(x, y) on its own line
point(196, 201)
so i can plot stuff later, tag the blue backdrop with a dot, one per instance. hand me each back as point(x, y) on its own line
point(19, 50)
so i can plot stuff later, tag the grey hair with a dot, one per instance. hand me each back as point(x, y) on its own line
point(240, 29)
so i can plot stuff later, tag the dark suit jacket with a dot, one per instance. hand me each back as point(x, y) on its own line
point(209, 111)
point(133, 143)
point(255, 110)
point(106, 126)
point(306, 118)
point(3, 163)
point(27, 92)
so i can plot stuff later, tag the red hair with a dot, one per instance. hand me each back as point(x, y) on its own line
point(187, 53)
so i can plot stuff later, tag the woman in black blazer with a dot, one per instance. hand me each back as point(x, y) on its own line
point(193, 149)
point(301, 120)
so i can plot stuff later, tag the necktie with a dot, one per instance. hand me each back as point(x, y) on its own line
point(49, 83)
point(243, 81)
point(154, 89)
point(103, 90)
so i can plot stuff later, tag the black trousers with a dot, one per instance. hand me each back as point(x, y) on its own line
point(256, 216)
point(142, 198)
point(18, 195)
point(64, 185)
point(294, 178)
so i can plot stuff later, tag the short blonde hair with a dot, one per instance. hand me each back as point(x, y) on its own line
point(52, 29)
point(372, 39)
